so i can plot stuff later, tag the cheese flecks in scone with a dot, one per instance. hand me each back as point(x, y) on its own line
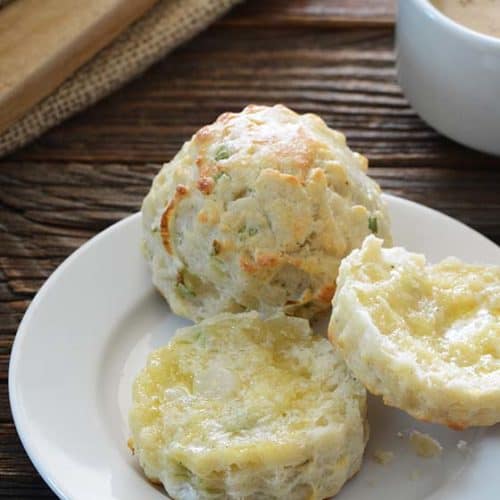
point(243, 407)
point(255, 212)
point(425, 337)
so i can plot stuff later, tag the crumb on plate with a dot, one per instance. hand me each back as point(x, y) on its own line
point(130, 444)
point(383, 457)
point(415, 475)
point(424, 445)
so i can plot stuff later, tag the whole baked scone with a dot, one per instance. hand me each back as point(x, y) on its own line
point(425, 337)
point(243, 407)
point(255, 212)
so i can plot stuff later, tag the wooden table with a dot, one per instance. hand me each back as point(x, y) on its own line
point(334, 58)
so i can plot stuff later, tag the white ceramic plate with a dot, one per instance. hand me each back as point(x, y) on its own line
point(90, 328)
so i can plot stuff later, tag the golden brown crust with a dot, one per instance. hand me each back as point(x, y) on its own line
point(248, 265)
point(203, 135)
point(205, 184)
point(164, 223)
point(225, 117)
point(268, 260)
point(326, 293)
point(252, 108)
point(203, 217)
point(206, 168)
point(181, 190)
point(262, 261)
point(456, 426)
point(166, 217)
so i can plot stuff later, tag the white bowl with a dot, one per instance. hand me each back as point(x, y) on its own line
point(450, 74)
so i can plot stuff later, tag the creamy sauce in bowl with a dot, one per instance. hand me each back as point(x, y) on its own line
point(478, 15)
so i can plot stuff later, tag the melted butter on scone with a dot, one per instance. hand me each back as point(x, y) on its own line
point(239, 406)
point(449, 311)
point(426, 337)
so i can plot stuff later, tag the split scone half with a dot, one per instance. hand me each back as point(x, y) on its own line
point(425, 337)
point(243, 407)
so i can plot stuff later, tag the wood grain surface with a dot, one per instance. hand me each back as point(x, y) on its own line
point(355, 13)
point(333, 58)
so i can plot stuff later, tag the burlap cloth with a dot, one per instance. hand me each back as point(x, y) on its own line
point(164, 27)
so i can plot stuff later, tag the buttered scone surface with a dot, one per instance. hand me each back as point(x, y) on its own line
point(426, 337)
point(255, 212)
point(241, 407)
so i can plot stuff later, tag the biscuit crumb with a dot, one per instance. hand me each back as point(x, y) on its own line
point(424, 445)
point(383, 457)
point(462, 445)
point(130, 444)
point(415, 475)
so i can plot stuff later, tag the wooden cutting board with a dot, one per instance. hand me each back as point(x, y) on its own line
point(43, 42)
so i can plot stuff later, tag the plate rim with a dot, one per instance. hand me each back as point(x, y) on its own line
point(30, 448)
point(22, 427)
